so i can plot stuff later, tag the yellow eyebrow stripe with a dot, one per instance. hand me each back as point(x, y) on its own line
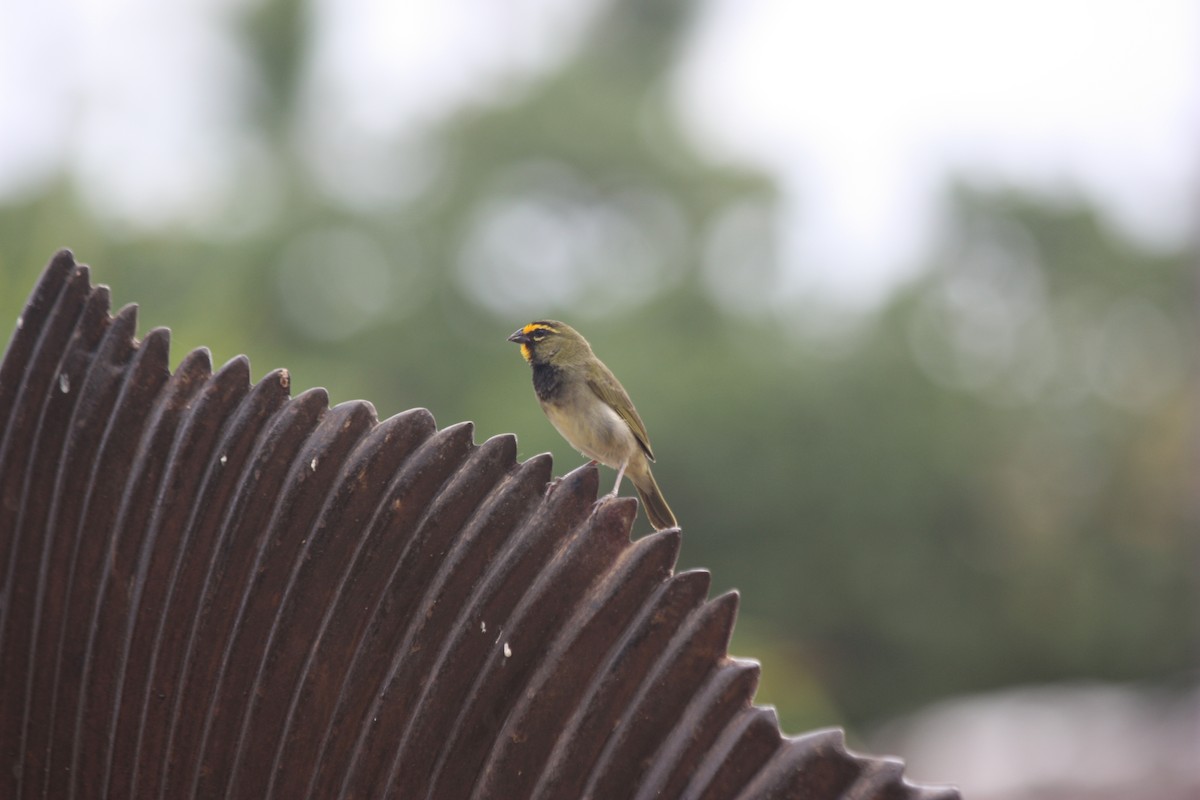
point(531, 327)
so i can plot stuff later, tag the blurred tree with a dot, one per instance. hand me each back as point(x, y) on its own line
point(991, 481)
point(987, 487)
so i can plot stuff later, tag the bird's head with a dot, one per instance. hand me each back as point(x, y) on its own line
point(548, 341)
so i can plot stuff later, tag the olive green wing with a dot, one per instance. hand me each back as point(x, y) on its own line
point(609, 389)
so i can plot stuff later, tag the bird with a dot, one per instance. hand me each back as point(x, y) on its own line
point(586, 403)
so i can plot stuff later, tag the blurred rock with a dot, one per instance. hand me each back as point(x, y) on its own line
point(1069, 742)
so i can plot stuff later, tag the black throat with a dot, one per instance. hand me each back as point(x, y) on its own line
point(547, 381)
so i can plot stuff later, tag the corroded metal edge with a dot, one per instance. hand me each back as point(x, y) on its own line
point(213, 589)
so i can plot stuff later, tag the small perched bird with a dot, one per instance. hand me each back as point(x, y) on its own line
point(587, 404)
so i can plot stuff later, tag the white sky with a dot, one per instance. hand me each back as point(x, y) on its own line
point(862, 108)
point(859, 108)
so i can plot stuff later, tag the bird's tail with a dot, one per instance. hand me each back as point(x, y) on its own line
point(652, 498)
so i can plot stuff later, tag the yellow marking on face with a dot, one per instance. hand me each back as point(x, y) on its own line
point(525, 352)
point(534, 326)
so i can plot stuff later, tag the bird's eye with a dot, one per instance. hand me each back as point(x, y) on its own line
point(537, 337)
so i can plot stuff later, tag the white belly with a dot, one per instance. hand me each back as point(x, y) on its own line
point(598, 433)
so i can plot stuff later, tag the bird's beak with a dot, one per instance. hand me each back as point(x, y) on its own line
point(519, 336)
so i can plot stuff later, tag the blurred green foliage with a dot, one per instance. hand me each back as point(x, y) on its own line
point(985, 482)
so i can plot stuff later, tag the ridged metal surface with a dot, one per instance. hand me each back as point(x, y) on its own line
point(211, 589)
